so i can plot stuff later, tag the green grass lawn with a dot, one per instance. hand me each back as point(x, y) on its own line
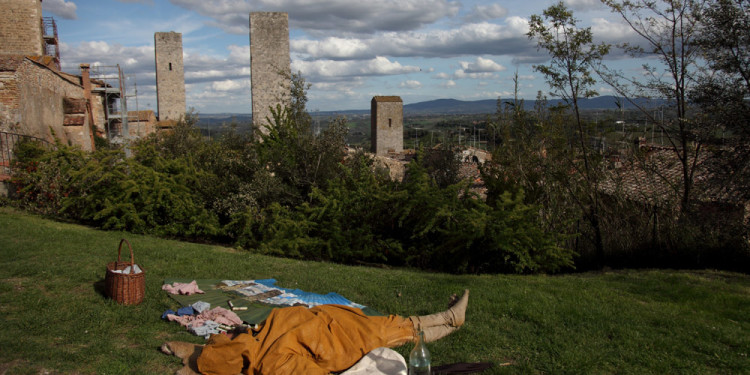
point(55, 319)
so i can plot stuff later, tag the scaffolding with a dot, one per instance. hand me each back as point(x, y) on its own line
point(114, 87)
point(51, 43)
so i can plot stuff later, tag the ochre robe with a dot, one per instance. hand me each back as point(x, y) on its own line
point(298, 340)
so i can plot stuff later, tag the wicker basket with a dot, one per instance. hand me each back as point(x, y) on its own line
point(126, 289)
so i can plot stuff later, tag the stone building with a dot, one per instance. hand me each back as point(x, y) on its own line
point(141, 123)
point(387, 125)
point(170, 76)
point(38, 101)
point(36, 98)
point(21, 28)
point(270, 71)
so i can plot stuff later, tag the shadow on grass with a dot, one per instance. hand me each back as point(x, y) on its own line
point(99, 288)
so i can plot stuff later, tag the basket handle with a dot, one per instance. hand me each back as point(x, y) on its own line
point(119, 250)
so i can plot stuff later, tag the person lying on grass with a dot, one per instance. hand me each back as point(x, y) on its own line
point(319, 340)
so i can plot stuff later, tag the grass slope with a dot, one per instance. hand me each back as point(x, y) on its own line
point(55, 320)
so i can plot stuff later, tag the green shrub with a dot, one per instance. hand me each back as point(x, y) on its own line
point(122, 194)
point(42, 176)
point(362, 217)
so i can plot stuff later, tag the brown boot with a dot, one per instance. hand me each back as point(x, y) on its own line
point(189, 354)
point(435, 333)
point(453, 317)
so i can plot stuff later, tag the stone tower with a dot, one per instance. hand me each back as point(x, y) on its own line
point(21, 28)
point(170, 76)
point(387, 124)
point(270, 71)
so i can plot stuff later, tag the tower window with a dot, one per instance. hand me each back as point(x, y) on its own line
point(389, 122)
point(170, 67)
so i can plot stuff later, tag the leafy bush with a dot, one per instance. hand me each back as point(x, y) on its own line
point(122, 194)
point(363, 218)
point(42, 176)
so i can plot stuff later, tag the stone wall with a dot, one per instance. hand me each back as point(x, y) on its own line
point(170, 76)
point(21, 28)
point(38, 101)
point(9, 116)
point(141, 123)
point(269, 64)
point(387, 125)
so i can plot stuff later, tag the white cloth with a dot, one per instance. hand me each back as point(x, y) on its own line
point(127, 270)
point(380, 361)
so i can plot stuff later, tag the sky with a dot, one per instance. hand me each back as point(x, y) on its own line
point(348, 50)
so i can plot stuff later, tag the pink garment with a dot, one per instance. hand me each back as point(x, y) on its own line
point(182, 288)
point(217, 314)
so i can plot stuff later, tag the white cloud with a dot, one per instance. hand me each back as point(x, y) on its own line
point(481, 68)
point(342, 16)
point(487, 12)
point(331, 69)
point(135, 59)
point(612, 32)
point(332, 47)
point(231, 85)
point(61, 8)
point(461, 74)
point(410, 84)
point(449, 83)
point(150, 2)
point(584, 5)
point(469, 39)
point(481, 65)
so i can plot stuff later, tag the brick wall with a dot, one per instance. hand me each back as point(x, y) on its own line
point(42, 100)
point(170, 76)
point(269, 64)
point(8, 102)
point(21, 28)
point(387, 125)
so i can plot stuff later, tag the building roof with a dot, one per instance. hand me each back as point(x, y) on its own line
point(656, 178)
point(387, 99)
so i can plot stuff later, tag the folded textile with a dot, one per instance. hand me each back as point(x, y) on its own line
point(206, 329)
point(187, 310)
point(219, 315)
point(168, 313)
point(266, 291)
point(182, 288)
point(128, 270)
point(201, 306)
point(180, 312)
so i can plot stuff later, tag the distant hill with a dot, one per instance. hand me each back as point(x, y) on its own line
point(446, 107)
point(453, 106)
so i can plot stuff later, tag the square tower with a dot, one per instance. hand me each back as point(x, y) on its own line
point(170, 76)
point(387, 125)
point(270, 71)
point(21, 28)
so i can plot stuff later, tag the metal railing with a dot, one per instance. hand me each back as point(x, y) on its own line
point(8, 143)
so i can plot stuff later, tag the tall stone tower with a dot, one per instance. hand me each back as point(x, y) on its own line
point(387, 124)
point(270, 71)
point(170, 76)
point(21, 28)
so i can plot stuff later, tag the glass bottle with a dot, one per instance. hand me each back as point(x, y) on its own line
point(419, 358)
